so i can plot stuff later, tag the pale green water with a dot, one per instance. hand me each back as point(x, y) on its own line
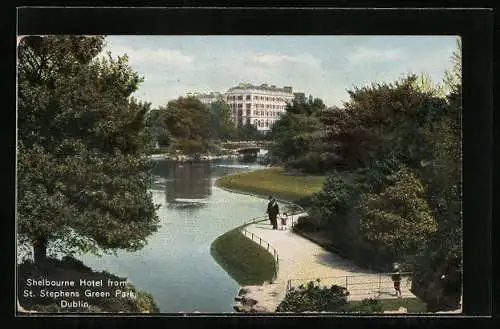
point(176, 266)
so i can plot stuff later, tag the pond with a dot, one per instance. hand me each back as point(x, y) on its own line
point(176, 266)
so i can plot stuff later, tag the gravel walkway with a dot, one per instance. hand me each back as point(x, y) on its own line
point(302, 260)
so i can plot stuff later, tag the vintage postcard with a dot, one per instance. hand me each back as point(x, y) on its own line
point(239, 174)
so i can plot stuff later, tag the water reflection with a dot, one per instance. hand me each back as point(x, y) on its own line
point(188, 185)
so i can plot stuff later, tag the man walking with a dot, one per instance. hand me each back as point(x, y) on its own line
point(272, 211)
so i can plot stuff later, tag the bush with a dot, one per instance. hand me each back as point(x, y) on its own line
point(314, 298)
point(308, 224)
point(337, 197)
point(367, 305)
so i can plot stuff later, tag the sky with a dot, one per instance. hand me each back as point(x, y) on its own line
point(323, 66)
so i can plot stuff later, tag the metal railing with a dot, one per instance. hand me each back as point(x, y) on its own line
point(377, 285)
point(266, 245)
point(263, 243)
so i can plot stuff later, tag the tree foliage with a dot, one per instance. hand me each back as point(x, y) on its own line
point(221, 126)
point(82, 175)
point(187, 121)
point(157, 126)
point(296, 135)
point(399, 218)
point(398, 146)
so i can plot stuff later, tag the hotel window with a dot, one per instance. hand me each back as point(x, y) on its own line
point(240, 98)
point(240, 105)
point(267, 123)
point(255, 97)
point(249, 97)
point(248, 112)
point(249, 105)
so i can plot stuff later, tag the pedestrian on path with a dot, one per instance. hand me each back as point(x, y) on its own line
point(396, 278)
point(272, 211)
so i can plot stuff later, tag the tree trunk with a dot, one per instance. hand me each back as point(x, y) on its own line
point(40, 250)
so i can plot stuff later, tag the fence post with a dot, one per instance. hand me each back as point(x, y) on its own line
point(260, 241)
point(252, 236)
point(267, 247)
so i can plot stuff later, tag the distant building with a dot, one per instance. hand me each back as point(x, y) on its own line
point(259, 105)
point(207, 98)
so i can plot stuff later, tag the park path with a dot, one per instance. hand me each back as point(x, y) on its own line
point(302, 260)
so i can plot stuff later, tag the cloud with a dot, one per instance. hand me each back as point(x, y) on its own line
point(163, 56)
point(363, 55)
point(279, 59)
point(269, 67)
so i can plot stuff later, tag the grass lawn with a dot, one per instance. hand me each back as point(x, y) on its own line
point(246, 262)
point(273, 181)
point(413, 305)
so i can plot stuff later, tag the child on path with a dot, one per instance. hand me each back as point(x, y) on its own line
point(396, 278)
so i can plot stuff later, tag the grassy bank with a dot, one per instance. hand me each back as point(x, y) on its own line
point(274, 181)
point(413, 305)
point(246, 262)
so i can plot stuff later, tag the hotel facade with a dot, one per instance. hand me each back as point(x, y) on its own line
point(259, 105)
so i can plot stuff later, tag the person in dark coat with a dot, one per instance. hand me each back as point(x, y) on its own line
point(272, 211)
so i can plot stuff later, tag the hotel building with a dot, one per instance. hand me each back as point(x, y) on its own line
point(260, 105)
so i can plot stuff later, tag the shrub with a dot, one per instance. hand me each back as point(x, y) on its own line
point(308, 223)
point(314, 298)
point(336, 198)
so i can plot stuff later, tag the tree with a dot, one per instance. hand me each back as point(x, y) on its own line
point(296, 135)
point(383, 121)
point(186, 118)
point(338, 195)
point(156, 124)
point(437, 268)
point(83, 176)
point(221, 125)
point(247, 132)
point(399, 218)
